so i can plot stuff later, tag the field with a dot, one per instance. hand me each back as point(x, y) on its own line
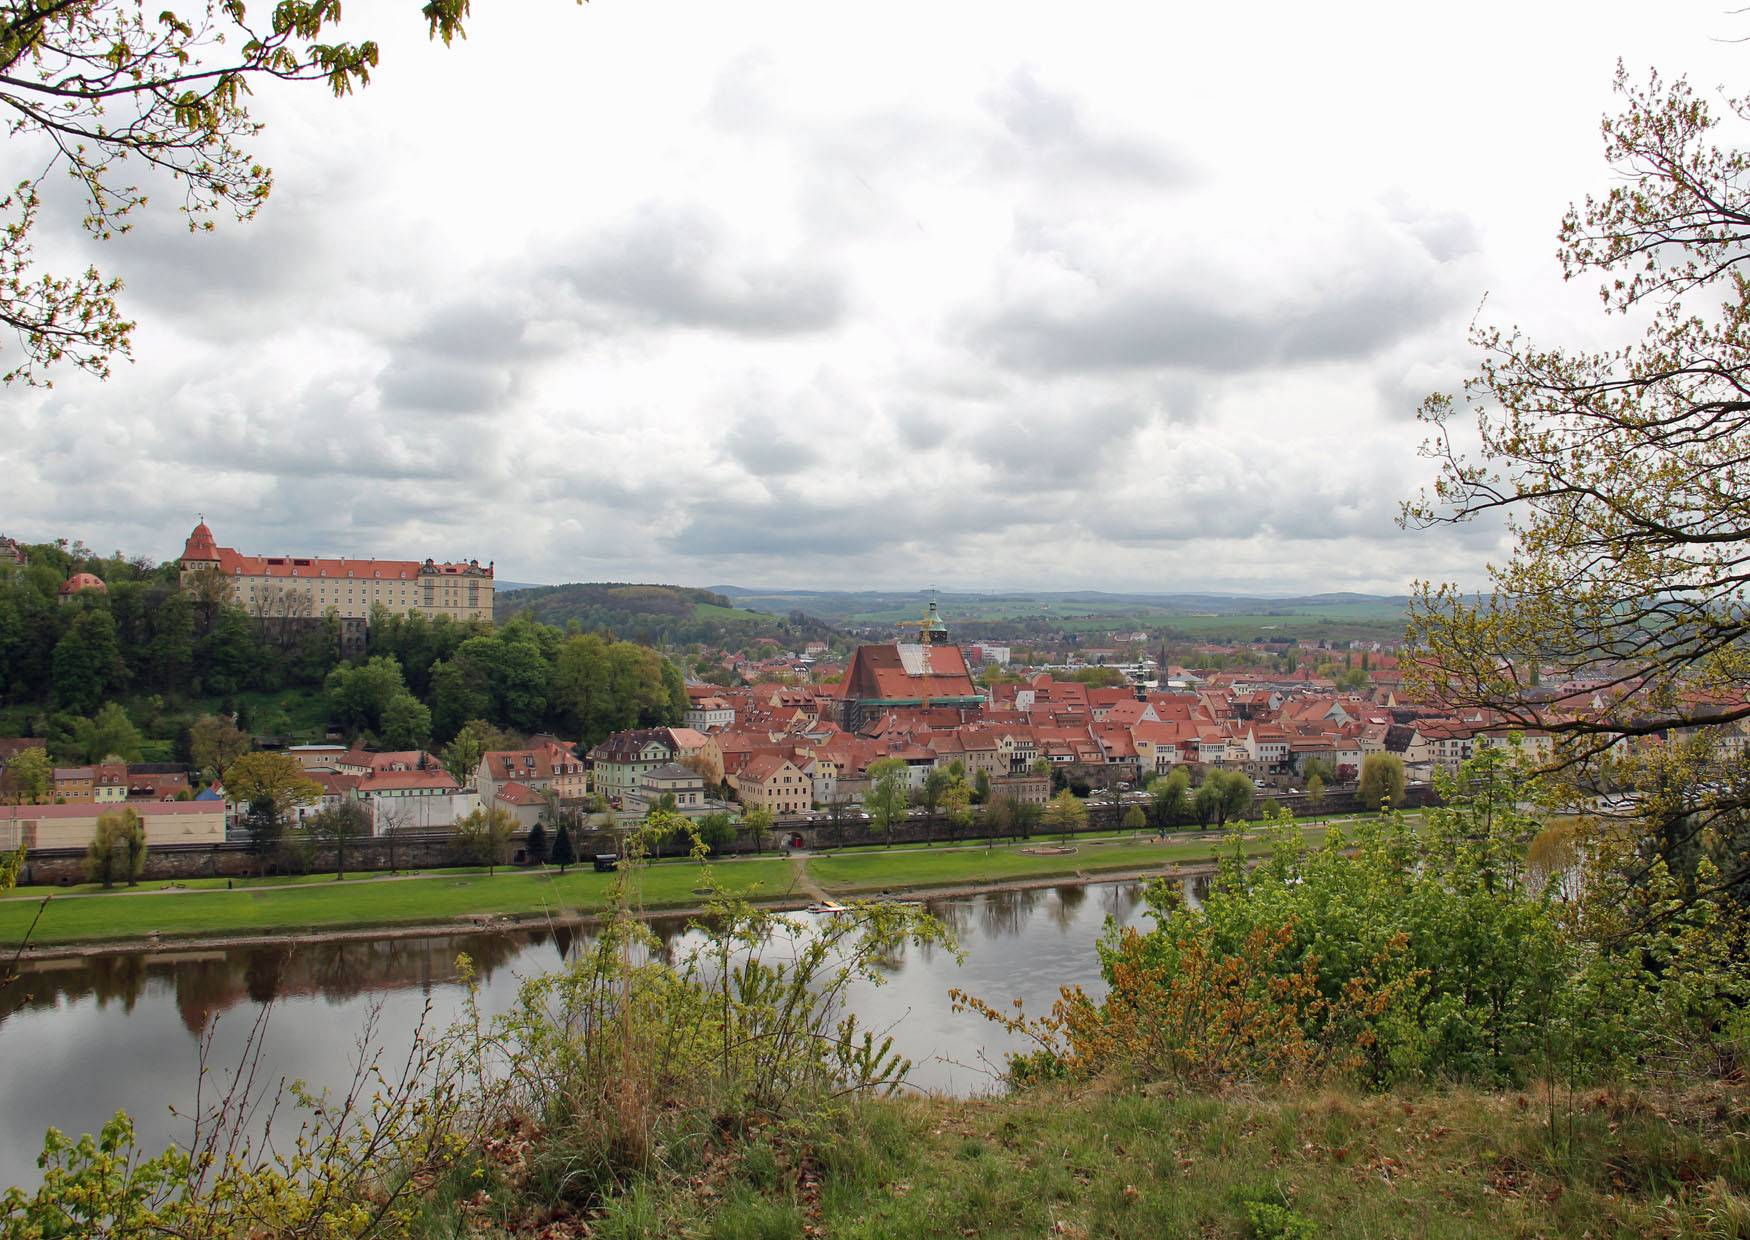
point(407, 900)
point(865, 871)
point(1208, 616)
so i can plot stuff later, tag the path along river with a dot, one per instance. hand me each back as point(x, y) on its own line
point(82, 1038)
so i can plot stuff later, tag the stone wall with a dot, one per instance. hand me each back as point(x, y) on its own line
point(57, 867)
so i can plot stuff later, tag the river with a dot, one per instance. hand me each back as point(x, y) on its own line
point(82, 1038)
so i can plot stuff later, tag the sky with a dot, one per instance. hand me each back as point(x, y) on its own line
point(977, 296)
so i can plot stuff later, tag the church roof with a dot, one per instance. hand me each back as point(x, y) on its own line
point(902, 672)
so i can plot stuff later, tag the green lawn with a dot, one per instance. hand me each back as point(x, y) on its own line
point(897, 869)
point(288, 909)
point(222, 884)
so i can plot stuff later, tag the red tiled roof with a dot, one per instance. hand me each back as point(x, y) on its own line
point(518, 794)
point(83, 581)
point(385, 781)
point(201, 548)
point(879, 673)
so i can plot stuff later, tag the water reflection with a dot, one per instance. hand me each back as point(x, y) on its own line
point(150, 1011)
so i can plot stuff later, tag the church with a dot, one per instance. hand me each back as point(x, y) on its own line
point(928, 673)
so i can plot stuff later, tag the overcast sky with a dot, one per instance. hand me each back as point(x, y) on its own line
point(1128, 296)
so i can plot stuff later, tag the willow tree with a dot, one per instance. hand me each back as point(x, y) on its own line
point(124, 97)
point(1623, 478)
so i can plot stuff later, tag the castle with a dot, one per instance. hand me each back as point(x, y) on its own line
point(289, 587)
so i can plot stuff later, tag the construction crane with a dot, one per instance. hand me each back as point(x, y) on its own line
point(929, 628)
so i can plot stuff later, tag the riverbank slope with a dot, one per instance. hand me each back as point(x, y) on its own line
point(1107, 1162)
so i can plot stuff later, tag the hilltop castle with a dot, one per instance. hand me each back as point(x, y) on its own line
point(293, 586)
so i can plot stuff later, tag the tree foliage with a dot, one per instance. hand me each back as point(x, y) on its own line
point(271, 785)
point(889, 795)
point(483, 836)
point(1621, 472)
point(336, 828)
point(30, 778)
point(1170, 798)
point(117, 849)
point(110, 91)
point(1066, 813)
point(1393, 955)
point(1382, 781)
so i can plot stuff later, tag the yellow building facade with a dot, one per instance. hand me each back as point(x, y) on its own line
point(293, 587)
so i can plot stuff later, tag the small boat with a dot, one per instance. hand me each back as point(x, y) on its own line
point(828, 906)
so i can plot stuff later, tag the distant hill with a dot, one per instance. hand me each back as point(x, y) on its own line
point(655, 614)
point(1018, 614)
point(506, 587)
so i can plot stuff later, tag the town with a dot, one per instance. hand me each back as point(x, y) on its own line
point(913, 738)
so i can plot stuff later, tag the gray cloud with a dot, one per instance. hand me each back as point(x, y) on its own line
point(1189, 327)
point(675, 266)
point(1048, 131)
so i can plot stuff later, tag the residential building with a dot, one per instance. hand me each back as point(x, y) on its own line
point(670, 779)
point(428, 800)
point(775, 783)
point(710, 714)
point(618, 765)
point(551, 764)
point(73, 826)
point(75, 784)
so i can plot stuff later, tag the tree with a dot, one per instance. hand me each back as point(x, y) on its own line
point(336, 827)
point(889, 795)
point(1382, 781)
point(564, 852)
point(106, 87)
point(117, 849)
point(271, 785)
point(30, 778)
point(110, 734)
point(1315, 790)
point(406, 723)
point(956, 805)
point(1352, 680)
point(1221, 796)
point(1134, 819)
point(756, 824)
point(483, 836)
point(87, 661)
point(1322, 769)
point(1170, 797)
point(214, 743)
point(475, 740)
point(1620, 473)
point(936, 781)
point(1066, 813)
point(359, 697)
point(716, 831)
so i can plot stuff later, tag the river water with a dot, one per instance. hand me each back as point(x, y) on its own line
point(83, 1038)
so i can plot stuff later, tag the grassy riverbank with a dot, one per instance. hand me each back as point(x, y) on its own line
point(410, 900)
point(204, 908)
point(1107, 1163)
point(863, 872)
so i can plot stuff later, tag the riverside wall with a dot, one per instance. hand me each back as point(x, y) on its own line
point(233, 859)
